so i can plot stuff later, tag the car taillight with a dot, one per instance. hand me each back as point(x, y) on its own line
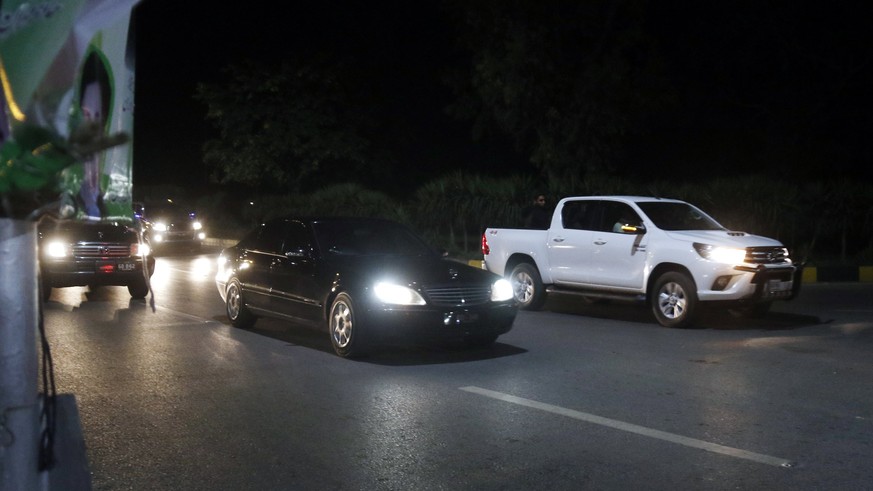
point(485, 249)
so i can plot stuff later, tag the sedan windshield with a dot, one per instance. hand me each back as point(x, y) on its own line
point(678, 216)
point(367, 237)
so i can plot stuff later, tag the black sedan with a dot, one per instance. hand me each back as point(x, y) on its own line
point(366, 281)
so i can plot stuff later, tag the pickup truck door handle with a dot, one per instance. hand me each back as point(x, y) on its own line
point(558, 239)
point(599, 242)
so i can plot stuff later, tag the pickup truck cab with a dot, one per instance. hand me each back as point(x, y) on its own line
point(665, 252)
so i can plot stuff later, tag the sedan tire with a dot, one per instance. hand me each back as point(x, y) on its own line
point(235, 305)
point(345, 331)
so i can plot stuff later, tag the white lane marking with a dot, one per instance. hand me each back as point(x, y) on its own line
point(632, 428)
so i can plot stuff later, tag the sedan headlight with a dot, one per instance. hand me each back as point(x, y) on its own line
point(501, 291)
point(197, 225)
point(727, 255)
point(397, 294)
point(160, 226)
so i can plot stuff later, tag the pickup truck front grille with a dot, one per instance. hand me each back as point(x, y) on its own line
point(766, 255)
point(458, 296)
point(101, 250)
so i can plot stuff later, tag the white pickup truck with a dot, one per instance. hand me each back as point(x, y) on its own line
point(665, 252)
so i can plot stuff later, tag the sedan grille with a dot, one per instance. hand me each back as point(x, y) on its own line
point(101, 250)
point(766, 255)
point(459, 296)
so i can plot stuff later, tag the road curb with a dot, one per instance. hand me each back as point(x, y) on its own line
point(816, 274)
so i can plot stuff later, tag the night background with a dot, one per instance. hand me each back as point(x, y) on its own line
point(393, 95)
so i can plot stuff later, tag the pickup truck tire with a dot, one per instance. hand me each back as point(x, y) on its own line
point(674, 300)
point(527, 286)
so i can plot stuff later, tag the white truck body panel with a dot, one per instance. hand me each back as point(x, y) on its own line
point(594, 258)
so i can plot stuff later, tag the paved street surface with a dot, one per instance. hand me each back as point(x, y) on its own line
point(578, 396)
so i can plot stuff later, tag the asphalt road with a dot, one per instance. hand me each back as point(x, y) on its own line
point(577, 396)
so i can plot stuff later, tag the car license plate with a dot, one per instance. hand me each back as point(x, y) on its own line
point(127, 266)
point(778, 286)
point(464, 317)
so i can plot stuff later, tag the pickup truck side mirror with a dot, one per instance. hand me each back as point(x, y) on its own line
point(634, 229)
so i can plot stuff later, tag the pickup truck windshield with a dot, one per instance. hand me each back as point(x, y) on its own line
point(678, 216)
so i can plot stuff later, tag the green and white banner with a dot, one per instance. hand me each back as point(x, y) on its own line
point(67, 70)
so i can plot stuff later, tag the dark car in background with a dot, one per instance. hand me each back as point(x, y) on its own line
point(366, 281)
point(169, 225)
point(77, 253)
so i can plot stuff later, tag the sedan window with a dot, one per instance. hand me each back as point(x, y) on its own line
point(366, 238)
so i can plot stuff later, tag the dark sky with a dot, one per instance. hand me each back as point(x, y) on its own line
point(744, 72)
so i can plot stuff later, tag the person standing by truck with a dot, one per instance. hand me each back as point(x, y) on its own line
point(537, 215)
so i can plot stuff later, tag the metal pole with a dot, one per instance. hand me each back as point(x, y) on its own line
point(19, 404)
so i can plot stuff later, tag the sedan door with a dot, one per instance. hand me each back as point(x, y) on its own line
point(296, 287)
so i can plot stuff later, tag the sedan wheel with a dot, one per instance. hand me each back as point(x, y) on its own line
point(236, 309)
point(345, 333)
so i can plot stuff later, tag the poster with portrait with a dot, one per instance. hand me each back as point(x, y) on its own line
point(66, 64)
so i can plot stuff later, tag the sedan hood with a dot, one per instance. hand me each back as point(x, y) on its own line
point(412, 270)
point(724, 238)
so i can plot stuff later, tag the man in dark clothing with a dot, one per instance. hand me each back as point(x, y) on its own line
point(537, 215)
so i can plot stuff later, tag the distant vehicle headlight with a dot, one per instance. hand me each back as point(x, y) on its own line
point(501, 291)
point(57, 248)
point(197, 225)
point(727, 255)
point(160, 226)
point(397, 294)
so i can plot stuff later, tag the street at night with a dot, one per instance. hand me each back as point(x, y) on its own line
point(577, 396)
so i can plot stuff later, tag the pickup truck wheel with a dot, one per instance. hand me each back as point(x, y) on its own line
point(528, 287)
point(674, 300)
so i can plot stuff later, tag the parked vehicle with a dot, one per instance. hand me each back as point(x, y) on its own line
point(662, 251)
point(76, 253)
point(366, 281)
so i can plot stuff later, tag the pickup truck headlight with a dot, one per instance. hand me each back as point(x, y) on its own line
point(197, 225)
point(160, 226)
point(397, 294)
point(727, 255)
point(501, 291)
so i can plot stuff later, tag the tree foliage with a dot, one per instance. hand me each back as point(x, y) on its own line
point(278, 126)
point(569, 81)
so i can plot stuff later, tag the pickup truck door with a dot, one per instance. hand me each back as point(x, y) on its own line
point(570, 245)
point(617, 249)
